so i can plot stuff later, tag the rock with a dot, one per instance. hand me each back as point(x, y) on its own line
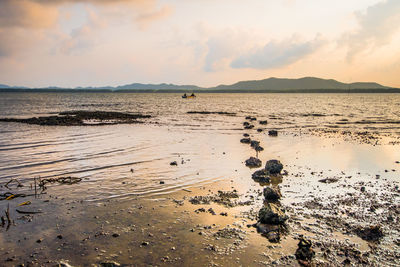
point(174, 163)
point(254, 143)
point(263, 122)
point(60, 237)
point(246, 123)
point(253, 162)
point(246, 135)
point(249, 126)
point(259, 148)
point(162, 182)
point(261, 176)
point(145, 243)
point(210, 210)
point(245, 140)
point(272, 194)
point(371, 233)
point(39, 240)
point(272, 214)
point(115, 235)
point(304, 252)
point(259, 130)
point(273, 236)
point(328, 180)
point(273, 166)
point(273, 133)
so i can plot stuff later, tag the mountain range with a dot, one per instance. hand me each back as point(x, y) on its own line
point(266, 85)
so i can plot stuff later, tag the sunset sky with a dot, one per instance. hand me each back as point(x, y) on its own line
point(72, 43)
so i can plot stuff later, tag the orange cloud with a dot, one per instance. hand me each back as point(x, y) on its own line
point(27, 14)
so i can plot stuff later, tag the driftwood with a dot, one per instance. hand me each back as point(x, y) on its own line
point(27, 211)
point(13, 180)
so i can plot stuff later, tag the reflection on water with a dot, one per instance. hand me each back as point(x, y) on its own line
point(132, 160)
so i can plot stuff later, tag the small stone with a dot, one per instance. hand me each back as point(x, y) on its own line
point(263, 122)
point(245, 140)
point(145, 243)
point(253, 162)
point(39, 240)
point(60, 237)
point(174, 163)
point(272, 214)
point(273, 133)
point(115, 235)
point(162, 182)
point(273, 166)
point(272, 194)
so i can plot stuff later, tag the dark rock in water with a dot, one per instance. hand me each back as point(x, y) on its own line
point(246, 123)
point(82, 118)
point(272, 214)
point(251, 118)
point(371, 233)
point(304, 252)
point(245, 140)
point(273, 166)
point(259, 130)
point(253, 162)
point(259, 148)
point(328, 180)
point(162, 182)
point(212, 112)
point(261, 176)
point(246, 135)
point(272, 194)
point(249, 126)
point(273, 133)
point(174, 163)
point(254, 143)
point(263, 122)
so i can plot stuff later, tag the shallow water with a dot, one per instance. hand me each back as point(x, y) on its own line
point(128, 181)
point(104, 155)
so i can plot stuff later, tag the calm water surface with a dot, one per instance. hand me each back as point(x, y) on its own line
point(131, 160)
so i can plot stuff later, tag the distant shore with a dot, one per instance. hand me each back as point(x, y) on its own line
point(290, 91)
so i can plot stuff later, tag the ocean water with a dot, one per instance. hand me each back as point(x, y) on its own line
point(131, 160)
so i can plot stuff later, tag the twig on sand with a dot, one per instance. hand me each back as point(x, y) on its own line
point(13, 180)
point(187, 190)
point(8, 216)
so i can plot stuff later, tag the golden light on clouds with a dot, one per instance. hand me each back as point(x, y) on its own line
point(114, 42)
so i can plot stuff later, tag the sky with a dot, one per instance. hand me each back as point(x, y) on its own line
point(70, 43)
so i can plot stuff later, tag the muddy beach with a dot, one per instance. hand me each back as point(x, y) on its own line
point(308, 197)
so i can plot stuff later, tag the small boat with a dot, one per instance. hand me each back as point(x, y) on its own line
point(188, 96)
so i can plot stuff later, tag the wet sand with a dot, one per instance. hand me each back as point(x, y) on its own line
point(95, 222)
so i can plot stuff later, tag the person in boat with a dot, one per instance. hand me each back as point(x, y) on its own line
point(184, 95)
point(192, 94)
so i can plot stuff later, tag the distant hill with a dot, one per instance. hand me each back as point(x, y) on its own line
point(307, 84)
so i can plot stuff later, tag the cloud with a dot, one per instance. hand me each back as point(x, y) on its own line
point(377, 25)
point(26, 14)
point(144, 19)
point(277, 54)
